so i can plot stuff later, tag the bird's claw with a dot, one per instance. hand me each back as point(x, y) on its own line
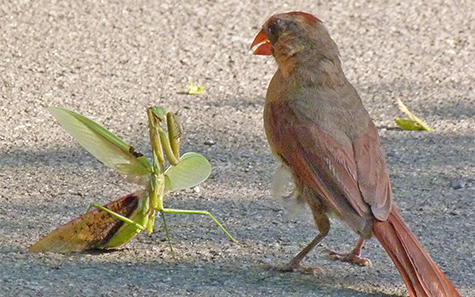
point(350, 257)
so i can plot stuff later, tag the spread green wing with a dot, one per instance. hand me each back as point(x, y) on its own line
point(191, 171)
point(102, 144)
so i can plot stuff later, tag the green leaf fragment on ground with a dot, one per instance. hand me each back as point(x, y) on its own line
point(414, 122)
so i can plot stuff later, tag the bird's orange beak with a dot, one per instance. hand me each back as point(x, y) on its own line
point(264, 47)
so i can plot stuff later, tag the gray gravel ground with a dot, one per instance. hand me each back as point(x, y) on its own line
point(110, 60)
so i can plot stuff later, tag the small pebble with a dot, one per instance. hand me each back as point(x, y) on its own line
point(210, 142)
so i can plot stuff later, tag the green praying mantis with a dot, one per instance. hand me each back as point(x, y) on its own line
point(117, 222)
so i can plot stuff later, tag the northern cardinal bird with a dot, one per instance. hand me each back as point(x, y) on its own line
point(318, 128)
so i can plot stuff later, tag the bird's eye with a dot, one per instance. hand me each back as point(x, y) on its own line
point(272, 29)
point(276, 27)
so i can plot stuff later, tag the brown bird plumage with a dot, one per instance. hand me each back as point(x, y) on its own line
point(319, 129)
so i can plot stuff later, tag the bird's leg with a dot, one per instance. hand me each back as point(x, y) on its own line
point(294, 264)
point(354, 256)
point(323, 226)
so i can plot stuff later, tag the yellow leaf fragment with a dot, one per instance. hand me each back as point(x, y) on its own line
point(194, 89)
point(414, 122)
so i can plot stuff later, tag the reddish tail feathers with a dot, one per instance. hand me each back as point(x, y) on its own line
point(422, 276)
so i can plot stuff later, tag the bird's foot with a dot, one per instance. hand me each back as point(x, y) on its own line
point(350, 257)
point(291, 267)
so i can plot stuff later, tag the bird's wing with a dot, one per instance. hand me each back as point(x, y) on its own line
point(373, 177)
point(326, 166)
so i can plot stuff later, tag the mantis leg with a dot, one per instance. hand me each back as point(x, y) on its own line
point(114, 214)
point(168, 234)
point(201, 212)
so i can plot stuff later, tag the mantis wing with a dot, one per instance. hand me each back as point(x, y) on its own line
point(97, 229)
point(102, 144)
point(192, 170)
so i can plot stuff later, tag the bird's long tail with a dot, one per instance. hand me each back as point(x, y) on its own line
point(422, 276)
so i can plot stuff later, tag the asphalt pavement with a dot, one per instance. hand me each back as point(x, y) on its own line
point(110, 60)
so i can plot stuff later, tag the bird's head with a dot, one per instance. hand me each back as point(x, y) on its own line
point(284, 25)
point(294, 36)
